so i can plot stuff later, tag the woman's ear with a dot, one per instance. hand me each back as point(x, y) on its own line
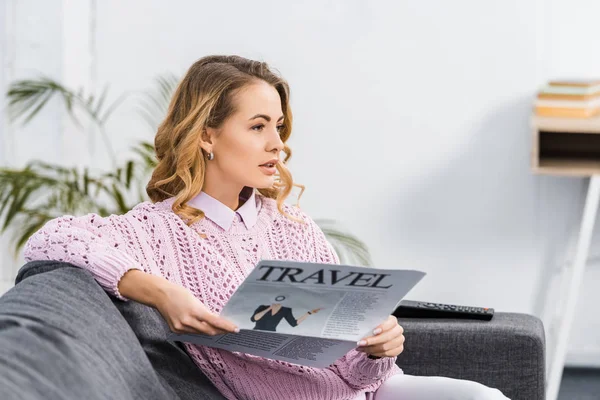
point(206, 139)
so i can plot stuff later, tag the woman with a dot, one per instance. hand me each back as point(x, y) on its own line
point(217, 206)
point(268, 317)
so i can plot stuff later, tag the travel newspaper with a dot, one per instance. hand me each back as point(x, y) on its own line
point(307, 313)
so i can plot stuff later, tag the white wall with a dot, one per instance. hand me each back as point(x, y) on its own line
point(30, 45)
point(5, 273)
point(399, 133)
point(411, 118)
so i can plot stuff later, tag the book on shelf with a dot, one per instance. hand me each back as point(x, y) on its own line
point(570, 98)
point(577, 82)
point(566, 112)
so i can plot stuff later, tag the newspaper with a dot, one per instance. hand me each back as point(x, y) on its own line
point(307, 313)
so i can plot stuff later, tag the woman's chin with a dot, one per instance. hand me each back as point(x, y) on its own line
point(265, 183)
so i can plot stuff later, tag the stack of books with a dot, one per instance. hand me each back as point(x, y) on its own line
point(571, 98)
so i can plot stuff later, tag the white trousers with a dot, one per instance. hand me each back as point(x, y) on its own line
point(408, 387)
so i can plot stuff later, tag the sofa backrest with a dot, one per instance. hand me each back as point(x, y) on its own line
point(62, 336)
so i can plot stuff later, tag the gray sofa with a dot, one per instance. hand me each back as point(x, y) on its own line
point(62, 337)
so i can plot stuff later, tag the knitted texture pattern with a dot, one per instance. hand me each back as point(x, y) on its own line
point(212, 263)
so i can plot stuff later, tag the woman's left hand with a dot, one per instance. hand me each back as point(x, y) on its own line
point(387, 340)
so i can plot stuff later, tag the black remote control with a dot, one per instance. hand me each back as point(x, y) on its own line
point(421, 309)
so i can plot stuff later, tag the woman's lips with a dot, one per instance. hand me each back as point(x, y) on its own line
point(268, 170)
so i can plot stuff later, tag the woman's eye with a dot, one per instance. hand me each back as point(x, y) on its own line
point(259, 128)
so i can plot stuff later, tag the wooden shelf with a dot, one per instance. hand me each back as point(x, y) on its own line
point(566, 146)
point(563, 167)
point(577, 125)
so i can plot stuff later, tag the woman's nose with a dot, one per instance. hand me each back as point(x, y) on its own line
point(276, 144)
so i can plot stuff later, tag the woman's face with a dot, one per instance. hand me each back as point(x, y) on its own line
point(247, 146)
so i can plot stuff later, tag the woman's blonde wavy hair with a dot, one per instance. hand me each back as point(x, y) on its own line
point(204, 99)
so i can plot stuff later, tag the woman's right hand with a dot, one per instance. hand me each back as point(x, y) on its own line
point(179, 307)
point(186, 314)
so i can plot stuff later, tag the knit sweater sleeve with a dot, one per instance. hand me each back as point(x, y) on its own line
point(359, 371)
point(363, 373)
point(107, 247)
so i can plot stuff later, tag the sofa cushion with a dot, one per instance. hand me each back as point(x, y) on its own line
point(61, 337)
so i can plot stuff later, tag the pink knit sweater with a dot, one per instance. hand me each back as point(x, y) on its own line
point(212, 263)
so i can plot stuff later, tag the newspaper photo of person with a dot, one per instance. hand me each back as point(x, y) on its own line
point(268, 317)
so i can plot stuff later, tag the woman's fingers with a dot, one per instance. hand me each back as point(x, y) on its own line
point(208, 323)
point(388, 324)
point(202, 328)
point(220, 323)
point(388, 340)
point(194, 325)
point(186, 314)
point(390, 353)
point(210, 329)
point(383, 337)
point(387, 346)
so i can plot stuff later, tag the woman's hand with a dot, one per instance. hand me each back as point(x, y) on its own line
point(316, 310)
point(183, 312)
point(387, 340)
point(186, 314)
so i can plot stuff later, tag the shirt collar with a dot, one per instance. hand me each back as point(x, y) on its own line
point(222, 215)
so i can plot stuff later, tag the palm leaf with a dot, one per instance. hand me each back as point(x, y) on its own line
point(155, 103)
point(31, 196)
point(348, 247)
point(129, 173)
point(103, 116)
point(145, 150)
point(31, 223)
point(27, 97)
point(118, 196)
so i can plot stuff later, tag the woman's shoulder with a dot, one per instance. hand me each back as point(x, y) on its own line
point(97, 218)
point(292, 218)
point(148, 208)
point(140, 215)
point(270, 206)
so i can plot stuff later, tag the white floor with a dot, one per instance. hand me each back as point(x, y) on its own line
point(580, 384)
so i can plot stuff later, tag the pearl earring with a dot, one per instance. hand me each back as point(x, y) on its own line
point(211, 156)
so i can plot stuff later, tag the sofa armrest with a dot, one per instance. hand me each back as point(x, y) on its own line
point(507, 353)
point(62, 338)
